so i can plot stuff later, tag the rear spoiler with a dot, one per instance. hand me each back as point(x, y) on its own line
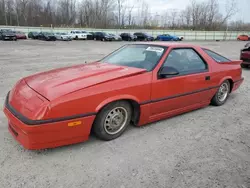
point(233, 62)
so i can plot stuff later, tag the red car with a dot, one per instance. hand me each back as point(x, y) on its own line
point(245, 56)
point(243, 37)
point(136, 84)
point(20, 35)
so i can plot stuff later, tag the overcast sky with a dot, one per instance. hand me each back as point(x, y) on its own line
point(163, 5)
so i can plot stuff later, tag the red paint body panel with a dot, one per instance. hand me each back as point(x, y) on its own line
point(21, 36)
point(59, 82)
point(73, 92)
point(27, 101)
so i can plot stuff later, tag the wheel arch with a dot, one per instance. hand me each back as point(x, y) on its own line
point(230, 81)
point(133, 101)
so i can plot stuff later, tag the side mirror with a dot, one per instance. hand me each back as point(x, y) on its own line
point(167, 71)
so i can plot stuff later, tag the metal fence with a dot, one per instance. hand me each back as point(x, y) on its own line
point(188, 35)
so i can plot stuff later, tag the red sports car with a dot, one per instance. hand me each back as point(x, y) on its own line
point(136, 84)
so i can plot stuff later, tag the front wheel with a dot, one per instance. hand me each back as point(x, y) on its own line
point(112, 120)
point(222, 94)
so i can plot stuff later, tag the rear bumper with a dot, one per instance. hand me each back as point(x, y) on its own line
point(48, 135)
point(237, 84)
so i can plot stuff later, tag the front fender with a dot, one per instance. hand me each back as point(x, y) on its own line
point(115, 98)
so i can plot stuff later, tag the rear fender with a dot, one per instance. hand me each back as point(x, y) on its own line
point(225, 78)
point(115, 98)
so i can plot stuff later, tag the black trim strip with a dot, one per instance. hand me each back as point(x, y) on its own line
point(27, 121)
point(175, 96)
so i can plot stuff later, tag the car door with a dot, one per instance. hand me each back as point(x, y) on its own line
point(98, 36)
point(192, 86)
point(139, 36)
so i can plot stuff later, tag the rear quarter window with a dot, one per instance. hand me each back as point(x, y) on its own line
point(216, 57)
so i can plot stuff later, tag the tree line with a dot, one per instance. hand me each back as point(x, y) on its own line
point(118, 14)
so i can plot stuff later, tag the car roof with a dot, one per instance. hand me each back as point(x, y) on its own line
point(170, 44)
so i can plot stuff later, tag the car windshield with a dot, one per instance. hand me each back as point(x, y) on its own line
point(63, 33)
point(78, 32)
point(136, 55)
point(7, 31)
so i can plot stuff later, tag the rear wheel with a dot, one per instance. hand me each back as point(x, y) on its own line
point(112, 120)
point(222, 94)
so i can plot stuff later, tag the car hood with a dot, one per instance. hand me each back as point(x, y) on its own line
point(8, 34)
point(65, 35)
point(50, 35)
point(59, 82)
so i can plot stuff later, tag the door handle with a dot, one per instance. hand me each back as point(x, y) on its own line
point(207, 77)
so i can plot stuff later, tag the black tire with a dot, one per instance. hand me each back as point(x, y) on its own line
point(99, 123)
point(215, 100)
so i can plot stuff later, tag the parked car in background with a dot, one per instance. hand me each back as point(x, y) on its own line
point(243, 37)
point(20, 35)
point(143, 36)
point(115, 37)
point(89, 35)
point(48, 36)
point(33, 35)
point(7, 34)
point(102, 36)
point(168, 37)
point(78, 35)
point(128, 37)
point(245, 56)
point(63, 36)
point(93, 34)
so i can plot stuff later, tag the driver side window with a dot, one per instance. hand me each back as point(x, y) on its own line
point(185, 61)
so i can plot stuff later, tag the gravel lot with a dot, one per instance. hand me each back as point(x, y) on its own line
point(206, 148)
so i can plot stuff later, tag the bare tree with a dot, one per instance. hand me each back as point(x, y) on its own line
point(197, 15)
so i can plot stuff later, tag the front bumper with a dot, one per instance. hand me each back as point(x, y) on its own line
point(66, 38)
point(47, 135)
point(9, 37)
point(82, 36)
point(109, 39)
